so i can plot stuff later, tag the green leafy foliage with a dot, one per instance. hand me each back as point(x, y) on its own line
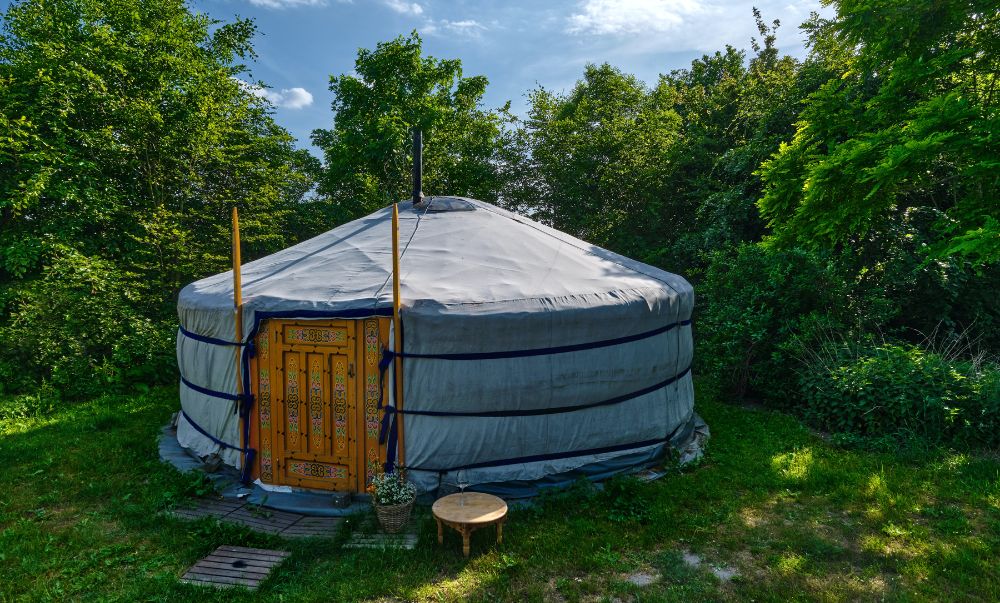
point(902, 391)
point(597, 152)
point(81, 321)
point(39, 403)
point(189, 485)
point(909, 122)
point(393, 89)
point(898, 292)
point(667, 173)
point(757, 303)
point(125, 139)
point(626, 500)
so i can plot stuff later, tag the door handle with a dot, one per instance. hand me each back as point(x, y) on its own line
point(350, 370)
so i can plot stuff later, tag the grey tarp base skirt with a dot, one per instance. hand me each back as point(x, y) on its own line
point(688, 446)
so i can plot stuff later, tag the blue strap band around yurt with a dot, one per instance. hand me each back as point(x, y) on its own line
point(248, 452)
point(544, 457)
point(388, 355)
point(540, 411)
point(389, 428)
point(459, 356)
point(207, 339)
point(245, 399)
point(553, 455)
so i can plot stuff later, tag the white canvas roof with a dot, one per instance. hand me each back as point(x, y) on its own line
point(482, 256)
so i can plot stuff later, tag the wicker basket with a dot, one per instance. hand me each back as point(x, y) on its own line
point(393, 517)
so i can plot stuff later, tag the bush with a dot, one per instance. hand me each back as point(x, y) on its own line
point(758, 303)
point(79, 329)
point(900, 292)
point(24, 406)
point(902, 391)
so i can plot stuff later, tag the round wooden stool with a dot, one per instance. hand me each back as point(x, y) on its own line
point(467, 515)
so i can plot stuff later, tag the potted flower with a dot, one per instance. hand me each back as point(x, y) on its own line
point(392, 496)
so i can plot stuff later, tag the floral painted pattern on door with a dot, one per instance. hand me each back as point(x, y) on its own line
point(264, 404)
point(292, 399)
point(316, 439)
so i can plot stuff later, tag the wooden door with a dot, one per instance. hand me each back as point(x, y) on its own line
point(311, 419)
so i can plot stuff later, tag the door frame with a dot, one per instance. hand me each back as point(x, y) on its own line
point(367, 339)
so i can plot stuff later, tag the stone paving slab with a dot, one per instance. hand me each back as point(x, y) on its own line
point(207, 508)
point(367, 535)
point(230, 566)
point(312, 527)
point(282, 523)
point(382, 541)
point(263, 520)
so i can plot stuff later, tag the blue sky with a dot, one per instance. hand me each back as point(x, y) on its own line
point(517, 44)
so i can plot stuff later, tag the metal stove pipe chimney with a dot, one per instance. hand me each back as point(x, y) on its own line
point(418, 167)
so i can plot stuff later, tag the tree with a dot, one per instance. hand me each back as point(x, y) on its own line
point(125, 139)
point(910, 123)
point(393, 89)
point(667, 174)
point(735, 113)
point(599, 153)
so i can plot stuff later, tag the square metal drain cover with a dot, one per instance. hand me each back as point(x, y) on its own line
point(232, 565)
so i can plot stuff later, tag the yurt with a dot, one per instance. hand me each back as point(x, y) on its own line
point(528, 357)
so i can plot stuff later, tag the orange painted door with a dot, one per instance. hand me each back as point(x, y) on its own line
point(312, 417)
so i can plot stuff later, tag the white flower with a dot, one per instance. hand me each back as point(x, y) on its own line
point(391, 489)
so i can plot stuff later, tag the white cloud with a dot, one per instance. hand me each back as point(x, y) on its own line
point(291, 98)
point(287, 3)
point(619, 31)
point(633, 16)
point(403, 7)
point(465, 26)
point(286, 98)
point(469, 28)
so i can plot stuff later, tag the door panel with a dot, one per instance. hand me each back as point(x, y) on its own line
point(341, 442)
point(314, 474)
point(292, 427)
point(295, 334)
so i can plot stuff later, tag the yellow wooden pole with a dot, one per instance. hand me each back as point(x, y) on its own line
point(397, 330)
point(238, 313)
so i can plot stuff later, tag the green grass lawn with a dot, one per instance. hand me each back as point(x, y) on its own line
point(81, 492)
